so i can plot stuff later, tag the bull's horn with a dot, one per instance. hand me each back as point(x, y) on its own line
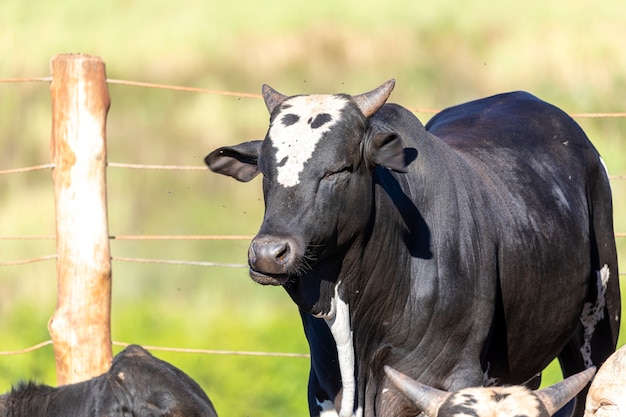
point(556, 396)
point(427, 399)
point(370, 102)
point(272, 98)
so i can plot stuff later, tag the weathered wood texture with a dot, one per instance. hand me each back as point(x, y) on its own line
point(80, 326)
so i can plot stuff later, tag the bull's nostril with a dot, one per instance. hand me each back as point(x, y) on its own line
point(282, 256)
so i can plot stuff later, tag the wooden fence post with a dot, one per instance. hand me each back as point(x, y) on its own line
point(80, 326)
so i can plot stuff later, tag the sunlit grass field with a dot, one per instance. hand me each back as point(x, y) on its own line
point(569, 53)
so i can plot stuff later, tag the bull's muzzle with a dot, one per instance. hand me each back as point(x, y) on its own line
point(272, 259)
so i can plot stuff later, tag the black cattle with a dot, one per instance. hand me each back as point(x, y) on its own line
point(471, 251)
point(137, 384)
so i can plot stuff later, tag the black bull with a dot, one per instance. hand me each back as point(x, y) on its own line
point(137, 384)
point(471, 251)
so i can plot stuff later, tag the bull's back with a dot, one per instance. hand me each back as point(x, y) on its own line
point(517, 121)
point(530, 155)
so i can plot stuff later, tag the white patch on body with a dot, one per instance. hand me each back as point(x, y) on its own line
point(339, 324)
point(605, 167)
point(487, 380)
point(592, 314)
point(298, 127)
point(494, 402)
point(328, 408)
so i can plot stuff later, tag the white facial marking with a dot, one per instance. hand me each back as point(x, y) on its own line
point(498, 401)
point(298, 127)
point(592, 314)
point(340, 328)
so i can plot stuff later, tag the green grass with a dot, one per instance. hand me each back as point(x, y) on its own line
point(567, 52)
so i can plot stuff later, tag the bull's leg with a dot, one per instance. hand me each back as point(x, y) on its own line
point(324, 379)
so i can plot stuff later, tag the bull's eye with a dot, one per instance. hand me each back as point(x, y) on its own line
point(336, 174)
point(606, 403)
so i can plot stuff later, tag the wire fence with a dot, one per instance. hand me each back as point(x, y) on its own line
point(116, 165)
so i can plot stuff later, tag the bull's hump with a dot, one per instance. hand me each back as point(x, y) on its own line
point(298, 127)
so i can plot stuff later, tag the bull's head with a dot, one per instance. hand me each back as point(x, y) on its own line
point(316, 160)
point(607, 394)
point(491, 401)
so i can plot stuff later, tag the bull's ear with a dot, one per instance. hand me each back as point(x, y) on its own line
point(386, 149)
point(239, 161)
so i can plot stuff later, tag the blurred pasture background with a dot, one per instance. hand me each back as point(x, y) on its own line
point(568, 52)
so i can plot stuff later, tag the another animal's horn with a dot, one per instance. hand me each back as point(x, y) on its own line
point(272, 98)
point(370, 102)
point(556, 396)
point(426, 398)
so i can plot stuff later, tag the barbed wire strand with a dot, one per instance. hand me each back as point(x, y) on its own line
point(597, 115)
point(26, 350)
point(26, 169)
point(177, 262)
point(162, 167)
point(182, 88)
point(25, 80)
point(25, 237)
point(217, 352)
point(182, 237)
point(28, 261)
point(171, 349)
point(139, 237)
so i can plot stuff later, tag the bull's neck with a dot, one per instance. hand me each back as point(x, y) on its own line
point(377, 276)
point(380, 260)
